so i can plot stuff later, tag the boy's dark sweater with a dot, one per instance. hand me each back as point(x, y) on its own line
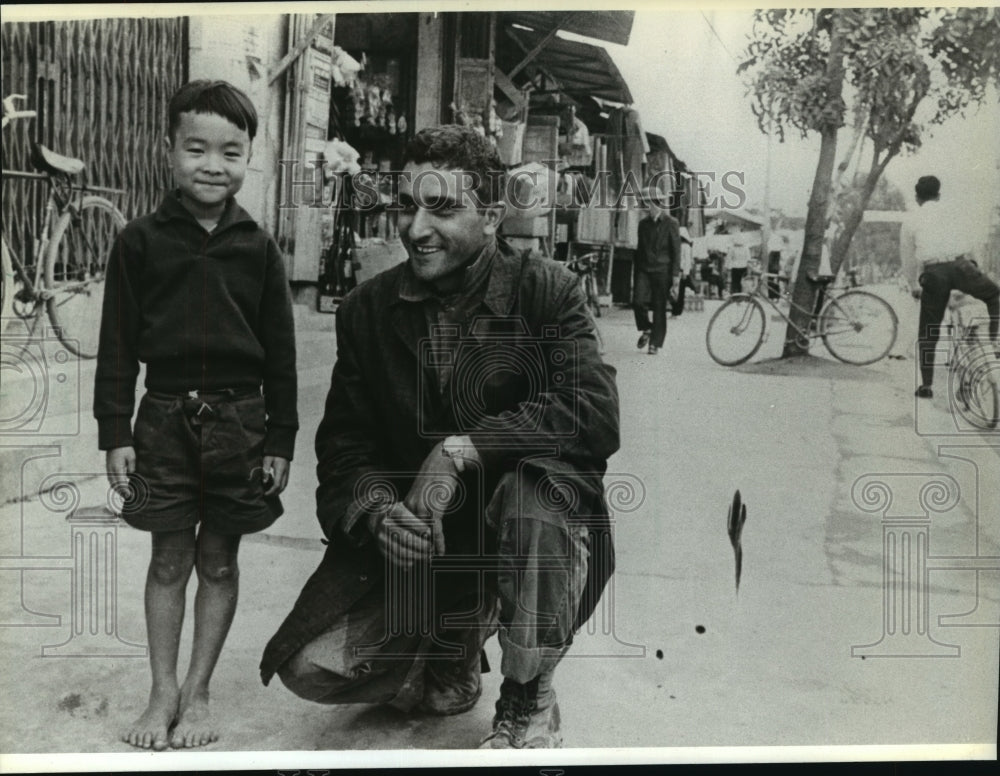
point(204, 311)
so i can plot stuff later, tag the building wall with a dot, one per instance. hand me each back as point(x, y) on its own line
point(239, 49)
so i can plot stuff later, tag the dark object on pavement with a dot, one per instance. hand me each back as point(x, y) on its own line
point(737, 517)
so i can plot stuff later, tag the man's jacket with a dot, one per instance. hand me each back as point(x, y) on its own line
point(659, 246)
point(528, 387)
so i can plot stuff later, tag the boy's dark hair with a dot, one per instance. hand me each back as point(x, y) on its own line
point(218, 97)
point(456, 147)
point(928, 187)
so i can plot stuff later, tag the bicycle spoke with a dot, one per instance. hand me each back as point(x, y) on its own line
point(976, 397)
point(858, 327)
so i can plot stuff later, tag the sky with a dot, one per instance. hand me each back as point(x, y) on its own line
point(681, 68)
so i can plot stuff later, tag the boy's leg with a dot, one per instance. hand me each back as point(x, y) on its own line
point(214, 607)
point(169, 570)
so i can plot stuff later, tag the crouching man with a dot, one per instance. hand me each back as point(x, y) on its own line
point(460, 462)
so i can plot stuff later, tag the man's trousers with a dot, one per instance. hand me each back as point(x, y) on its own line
point(523, 573)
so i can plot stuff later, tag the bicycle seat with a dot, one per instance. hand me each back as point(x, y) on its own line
point(55, 164)
point(821, 280)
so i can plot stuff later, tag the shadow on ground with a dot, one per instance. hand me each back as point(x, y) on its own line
point(812, 367)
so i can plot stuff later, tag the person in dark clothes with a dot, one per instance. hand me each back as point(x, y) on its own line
point(936, 253)
point(657, 261)
point(460, 463)
point(686, 271)
point(197, 292)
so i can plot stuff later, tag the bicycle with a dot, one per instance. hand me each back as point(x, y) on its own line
point(973, 367)
point(585, 267)
point(70, 249)
point(857, 327)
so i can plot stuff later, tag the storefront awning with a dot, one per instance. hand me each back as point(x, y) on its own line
point(611, 26)
point(580, 69)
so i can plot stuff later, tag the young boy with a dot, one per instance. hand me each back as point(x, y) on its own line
point(197, 292)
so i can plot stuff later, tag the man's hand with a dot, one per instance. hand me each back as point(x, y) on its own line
point(432, 492)
point(275, 474)
point(120, 463)
point(402, 537)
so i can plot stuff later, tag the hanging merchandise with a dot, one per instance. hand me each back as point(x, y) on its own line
point(344, 68)
point(576, 151)
point(340, 157)
point(510, 144)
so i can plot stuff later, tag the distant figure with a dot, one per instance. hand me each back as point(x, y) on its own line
point(657, 260)
point(739, 260)
point(711, 273)
point(687, 266)
point(775, 247)
point(937, 253)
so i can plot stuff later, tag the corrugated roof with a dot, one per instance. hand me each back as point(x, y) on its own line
point(612, 26)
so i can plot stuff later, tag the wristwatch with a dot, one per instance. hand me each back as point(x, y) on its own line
point(454, 452)
point(452, 448)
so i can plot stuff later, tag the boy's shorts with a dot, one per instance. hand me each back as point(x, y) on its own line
point(200, 460)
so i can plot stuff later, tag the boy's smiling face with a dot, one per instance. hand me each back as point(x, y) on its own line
point(209, 156)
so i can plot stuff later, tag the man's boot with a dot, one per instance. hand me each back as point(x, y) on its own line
point(527, 716)
point(452, 685)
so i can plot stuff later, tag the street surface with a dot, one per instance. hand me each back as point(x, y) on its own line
point(674, 657)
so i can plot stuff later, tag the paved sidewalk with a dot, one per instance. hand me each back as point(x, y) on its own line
point(679, 660)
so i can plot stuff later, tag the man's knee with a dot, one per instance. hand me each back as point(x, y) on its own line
point(311, 682)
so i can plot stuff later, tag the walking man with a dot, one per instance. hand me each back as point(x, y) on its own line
point(936, 253)
point(657, 260)
point(460, 464)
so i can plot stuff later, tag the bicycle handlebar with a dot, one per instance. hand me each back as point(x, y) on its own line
point(10, 112)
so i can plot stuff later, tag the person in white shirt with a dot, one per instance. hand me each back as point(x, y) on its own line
point(739, 260)
point(936, 253)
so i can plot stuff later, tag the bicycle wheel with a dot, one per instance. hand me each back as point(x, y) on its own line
point(977, 373)
point(74, 272)
point(736, 330)
point(858, 327)
point(6, 286)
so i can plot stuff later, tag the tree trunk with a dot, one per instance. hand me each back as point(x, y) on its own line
point(804, 294)
point(838, 251)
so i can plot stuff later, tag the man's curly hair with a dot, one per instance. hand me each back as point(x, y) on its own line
point(456, 147)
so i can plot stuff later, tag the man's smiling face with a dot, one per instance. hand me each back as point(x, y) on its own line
point(441, 224)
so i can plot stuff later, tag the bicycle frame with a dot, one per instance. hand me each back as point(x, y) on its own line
point(803, 337)
point(40, 243)
point(64, 196)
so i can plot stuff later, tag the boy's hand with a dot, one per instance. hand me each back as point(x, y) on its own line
point(275, 474)
point(120, 463)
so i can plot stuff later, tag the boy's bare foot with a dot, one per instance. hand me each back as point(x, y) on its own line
point(152, 729)
point(195, 726)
